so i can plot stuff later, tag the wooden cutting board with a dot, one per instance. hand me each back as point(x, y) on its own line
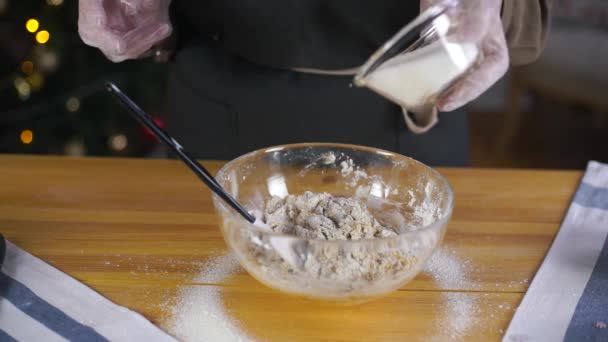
point(138, 231)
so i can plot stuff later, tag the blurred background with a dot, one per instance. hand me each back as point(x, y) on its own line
point(52, 99)
point(551, 114)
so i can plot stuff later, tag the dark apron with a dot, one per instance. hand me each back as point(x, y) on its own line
point(224, 102)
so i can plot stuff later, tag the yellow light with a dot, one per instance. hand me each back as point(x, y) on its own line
point(26, 136)
point(32, 25)
point(72, 104)
point(54, 2)
point(43, 36)
point(36, 80)
point(27, 67)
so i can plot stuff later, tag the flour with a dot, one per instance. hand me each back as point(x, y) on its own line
point(449, 270)
point(198, 314)
point(327, 158)
point(452, 272)
point(427, 210)
point(347, 167)
point(351, 173)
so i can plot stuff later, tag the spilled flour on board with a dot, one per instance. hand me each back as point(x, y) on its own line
point(198, 314)
point(449, 270)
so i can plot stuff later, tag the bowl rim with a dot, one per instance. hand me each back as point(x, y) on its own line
point(443, 220)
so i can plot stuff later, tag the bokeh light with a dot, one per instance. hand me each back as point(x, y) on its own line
point(72, 104)
point(3, 6)
point(54, 2)
point(36, 80)
point(43, 36)
point(27, 67)
point(49, 60)
point(32, 25)
point(118, 142)
point(26, 136)
point(23, 88)
point(75, 148)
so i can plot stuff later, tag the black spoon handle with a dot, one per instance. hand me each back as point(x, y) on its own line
point(202, 173)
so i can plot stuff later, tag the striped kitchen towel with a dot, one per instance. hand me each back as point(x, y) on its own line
point(40, 303)
point(568, 299)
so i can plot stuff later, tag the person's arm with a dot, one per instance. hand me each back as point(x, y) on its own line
point(525, 24)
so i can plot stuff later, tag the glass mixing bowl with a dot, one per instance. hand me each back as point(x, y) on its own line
point(412, 198)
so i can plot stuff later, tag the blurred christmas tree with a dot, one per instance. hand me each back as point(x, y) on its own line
point(52, 99)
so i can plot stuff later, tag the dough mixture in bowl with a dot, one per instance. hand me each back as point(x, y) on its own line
point(322, 216)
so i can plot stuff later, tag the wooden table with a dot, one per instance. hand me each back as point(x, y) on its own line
point(136, 231)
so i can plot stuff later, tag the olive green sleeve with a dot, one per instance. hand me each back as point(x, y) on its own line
point(525, 23)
